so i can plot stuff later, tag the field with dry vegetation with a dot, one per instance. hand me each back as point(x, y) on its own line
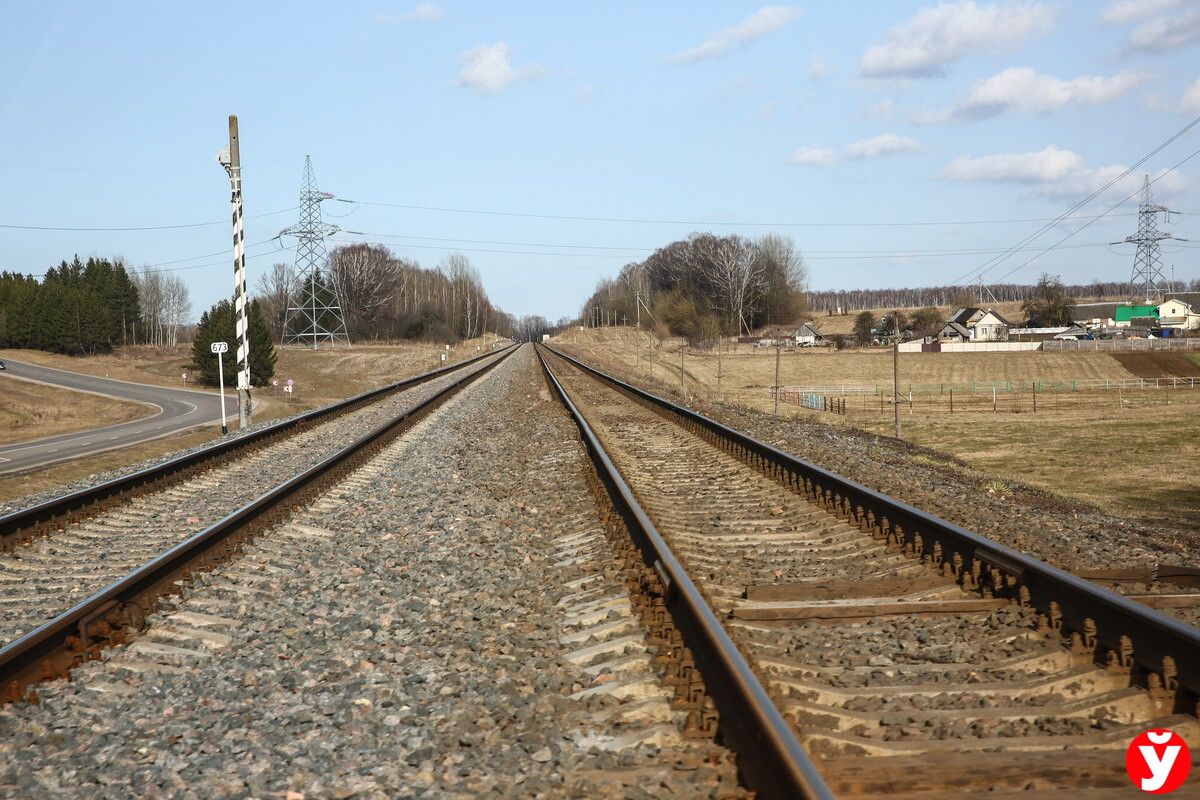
point(31, 410)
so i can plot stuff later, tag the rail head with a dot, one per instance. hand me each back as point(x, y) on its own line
point(1152, 642)
point(773, 760)
point(15, 522)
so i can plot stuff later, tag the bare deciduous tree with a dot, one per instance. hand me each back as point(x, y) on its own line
point(273, 292)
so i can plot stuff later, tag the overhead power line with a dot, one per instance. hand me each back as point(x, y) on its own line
point(987, 266)
point(111, 171)
point(898, 224)
point(810, 255)
point(139, 227)
point(1099, 216)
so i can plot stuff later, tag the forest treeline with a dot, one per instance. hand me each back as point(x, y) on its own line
point(383, 297)
point(707, 285)
point(78, 308)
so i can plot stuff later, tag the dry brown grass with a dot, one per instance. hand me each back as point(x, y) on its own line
point(747, 372)
point(34, 410)
point(1130, 453)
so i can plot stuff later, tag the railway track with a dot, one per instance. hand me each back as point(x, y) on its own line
point(84, 571)
point(844, 643)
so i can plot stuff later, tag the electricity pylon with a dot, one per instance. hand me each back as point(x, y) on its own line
point(314, 314)
point(1147, 276)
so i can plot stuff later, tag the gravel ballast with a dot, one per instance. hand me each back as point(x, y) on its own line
point(418, 631)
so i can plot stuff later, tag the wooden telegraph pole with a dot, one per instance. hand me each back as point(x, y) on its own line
point(896, 374)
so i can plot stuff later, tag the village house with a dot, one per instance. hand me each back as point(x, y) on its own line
point(1125, 316)
point(1094, 316)
point(808, 336)
point(1177, 315)
point(975, 325)
point(954, 332)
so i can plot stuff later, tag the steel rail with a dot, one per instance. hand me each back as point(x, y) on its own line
point(22, 656)
point(770, 757)
point(16, 522)
point(1161, 652)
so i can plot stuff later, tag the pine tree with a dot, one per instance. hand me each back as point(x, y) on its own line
point(218, 325)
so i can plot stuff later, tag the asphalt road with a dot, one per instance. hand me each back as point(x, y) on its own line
point(174, 410)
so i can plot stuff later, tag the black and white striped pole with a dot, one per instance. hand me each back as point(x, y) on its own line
point(231, 160)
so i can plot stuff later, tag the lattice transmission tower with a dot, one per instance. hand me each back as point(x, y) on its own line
point(1147, 277)
point(314, 314)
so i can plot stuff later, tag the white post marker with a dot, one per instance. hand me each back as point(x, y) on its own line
point(218, 348)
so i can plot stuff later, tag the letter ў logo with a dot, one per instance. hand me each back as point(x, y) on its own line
point(1158, 761)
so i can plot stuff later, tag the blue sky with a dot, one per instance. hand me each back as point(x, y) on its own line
point(694, 113)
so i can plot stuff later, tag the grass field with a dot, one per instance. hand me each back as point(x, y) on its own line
point(1130, 453)
point(33, 410)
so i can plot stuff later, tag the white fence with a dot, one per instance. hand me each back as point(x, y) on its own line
point(1083, 385)
point(1101, 345)
point(989, 347)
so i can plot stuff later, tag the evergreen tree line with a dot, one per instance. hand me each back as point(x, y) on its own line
point(383, 297)
point(76, 308)
point(706, 285)
point(86, 307)
point(218, 324)
point(849, 300)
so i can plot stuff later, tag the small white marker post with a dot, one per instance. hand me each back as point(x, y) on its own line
point(218, 348)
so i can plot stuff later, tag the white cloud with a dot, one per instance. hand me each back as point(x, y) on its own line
point(1025, 89)
point(886, 144)
point(922, 46)
point(817, 68)
point(1168, 32)
point(426, 12)
point(1122, 12)
point(1054, 173)
point(812, 156)
point(1162, 24)
point(487, 69)
point(1191, 99)
point(758, 24)
point(1050, 164)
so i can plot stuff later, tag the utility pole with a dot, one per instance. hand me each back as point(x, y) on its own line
point(231, 159)
point(637, 336)
point(682, 345)
point(896, 373)
point(778, 350)
point(718, 362)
